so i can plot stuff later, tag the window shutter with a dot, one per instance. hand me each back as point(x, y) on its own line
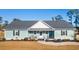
point(66, 32)
point(18, 32)
point(13, 32)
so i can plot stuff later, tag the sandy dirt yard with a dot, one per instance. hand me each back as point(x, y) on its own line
point(34, 45)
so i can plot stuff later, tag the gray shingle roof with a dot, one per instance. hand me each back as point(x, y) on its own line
point(18, 24)
point(59, 24)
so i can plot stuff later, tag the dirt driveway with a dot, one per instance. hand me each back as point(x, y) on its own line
point(33, 45)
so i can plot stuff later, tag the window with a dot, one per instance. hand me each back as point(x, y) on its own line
point(37, 31)
point(13, 32)
point(63, 32)
point(16, 32)
point(46, 32)
point(43, 31)
point(30, 31)
point(34, 32)
point(40, 33)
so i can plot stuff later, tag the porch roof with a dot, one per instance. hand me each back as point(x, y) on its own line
point(40, 29)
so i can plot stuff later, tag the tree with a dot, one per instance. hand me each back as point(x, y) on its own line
point(3, 23)
point(0, 20)
point(6, 23)
point(76, 20)
point(58, 17)
point(74, 14)
point(16, 19)
point(70, 15)
point(0, 23)
point(52, 18)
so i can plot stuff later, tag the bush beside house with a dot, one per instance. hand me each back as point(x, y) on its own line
point(1, 34)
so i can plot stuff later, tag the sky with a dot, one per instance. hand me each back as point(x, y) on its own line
point(32, 14)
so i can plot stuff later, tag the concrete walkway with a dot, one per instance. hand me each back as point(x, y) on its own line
point(59, 43)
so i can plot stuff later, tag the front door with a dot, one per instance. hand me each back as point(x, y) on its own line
point(51, 34)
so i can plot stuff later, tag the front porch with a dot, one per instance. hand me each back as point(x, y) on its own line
point(41, 35)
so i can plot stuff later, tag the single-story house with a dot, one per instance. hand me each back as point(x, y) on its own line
point(49, 30)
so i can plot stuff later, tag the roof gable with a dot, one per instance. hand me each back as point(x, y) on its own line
point(40, 24)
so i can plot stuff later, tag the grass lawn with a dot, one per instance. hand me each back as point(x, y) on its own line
point(33, 45)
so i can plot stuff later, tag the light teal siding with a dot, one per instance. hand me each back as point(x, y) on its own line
point(9, 34)
point(24, 33)
point(70, 35)
point(57, 34)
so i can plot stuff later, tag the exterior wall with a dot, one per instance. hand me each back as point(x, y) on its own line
point(70, 35)
point(9, 34)
point(24, 33)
